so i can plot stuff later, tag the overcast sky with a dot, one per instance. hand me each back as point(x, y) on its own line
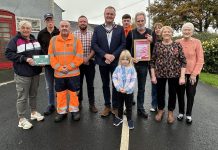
point(94, 9)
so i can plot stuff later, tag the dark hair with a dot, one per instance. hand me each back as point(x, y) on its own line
point(82, 16)
point(126, 16)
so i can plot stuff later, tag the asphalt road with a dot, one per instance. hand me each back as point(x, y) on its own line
point(95, 133)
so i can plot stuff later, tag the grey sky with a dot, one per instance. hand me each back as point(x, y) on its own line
point(94, 9)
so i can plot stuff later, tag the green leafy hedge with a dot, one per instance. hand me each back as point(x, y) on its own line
point(211, 55)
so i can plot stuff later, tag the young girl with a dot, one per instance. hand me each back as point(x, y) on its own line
point(124, 78)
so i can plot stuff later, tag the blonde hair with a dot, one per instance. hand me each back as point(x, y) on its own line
point(25, 23)
point(157, 25)
point(125, 54)
point(166, 27)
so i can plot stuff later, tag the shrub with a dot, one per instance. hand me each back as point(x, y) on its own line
point(211, 55)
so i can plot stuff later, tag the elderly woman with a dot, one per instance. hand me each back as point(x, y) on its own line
point(193, 51)
point(167, 65)
point(20, 50)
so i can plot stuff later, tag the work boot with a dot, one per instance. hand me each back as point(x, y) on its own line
point(75, 116)
point(60, 117)
point(106, 111)
point(49, 110)
point(142, 114)
point(93, 109)
point(170, 118)
point(114, 111)
point(159, 115)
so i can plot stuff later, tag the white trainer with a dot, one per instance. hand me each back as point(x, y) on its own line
point(152, 109)
point(24, 123)
point(37, 116)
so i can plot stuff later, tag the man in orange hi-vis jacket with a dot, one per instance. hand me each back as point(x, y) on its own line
point(66, 55)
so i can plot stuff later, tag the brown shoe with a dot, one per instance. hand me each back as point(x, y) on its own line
point(170, 118)
point(159, 115)
point(106, 112)
point(93, 109)
point(115, 111)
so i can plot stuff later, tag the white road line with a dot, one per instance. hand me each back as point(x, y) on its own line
point(124, 144)
point(5, 83)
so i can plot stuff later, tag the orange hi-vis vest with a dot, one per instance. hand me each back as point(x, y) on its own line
point(65, 53)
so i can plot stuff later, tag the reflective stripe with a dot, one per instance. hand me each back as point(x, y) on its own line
point(53, 44)
point(63, 53)
point(51, 55)
point(74, 45)
point(72, 65)
point(57, 66)
point(73, 108)
point(69, 73)
point(79, 55)
point(62, 110)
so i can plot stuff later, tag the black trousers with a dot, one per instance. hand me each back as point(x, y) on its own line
point(190, 95)
point(127, 98)
point(89, 72)
point(106, 74)
point(172, 86)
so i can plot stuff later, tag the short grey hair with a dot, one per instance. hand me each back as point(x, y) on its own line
point(139, 14)
point(25, 23)
point(189, 25)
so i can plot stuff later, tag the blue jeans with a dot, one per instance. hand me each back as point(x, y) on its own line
point(49, 79)
point(106, 72)
point(141, 75)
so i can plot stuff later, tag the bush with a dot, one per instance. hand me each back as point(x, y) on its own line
point(211, 55)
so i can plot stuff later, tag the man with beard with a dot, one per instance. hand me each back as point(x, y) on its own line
point(108, 41)
point(140, 32)
point(87, 69)
point(44, 37)
point(66, 55)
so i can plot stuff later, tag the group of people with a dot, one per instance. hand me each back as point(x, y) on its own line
point(74, 55)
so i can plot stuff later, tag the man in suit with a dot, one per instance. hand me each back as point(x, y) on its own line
point(108, 41)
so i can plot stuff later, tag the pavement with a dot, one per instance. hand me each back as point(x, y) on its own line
point(95, 133)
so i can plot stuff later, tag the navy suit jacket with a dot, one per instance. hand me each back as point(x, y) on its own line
point(100, 44)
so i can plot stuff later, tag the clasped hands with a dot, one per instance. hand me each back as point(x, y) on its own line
point(109, 58)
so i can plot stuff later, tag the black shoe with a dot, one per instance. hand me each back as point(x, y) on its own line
point(133, 102)
point(142, 114)
point(75, 116)
point(49, 110)
point(60, 117)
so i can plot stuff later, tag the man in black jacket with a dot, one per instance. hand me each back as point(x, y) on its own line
point(44, 37)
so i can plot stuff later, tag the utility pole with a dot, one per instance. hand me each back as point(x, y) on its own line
point(52, 6)
point(149, 19)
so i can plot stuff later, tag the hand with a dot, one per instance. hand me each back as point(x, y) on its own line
point(85, 61)
point(109, 57)
point(181, 80)
point(135, 60)
point(122, 90)
point(192, 79)
point(30, 61)
point(154, 80)
point(64, 70)
point(149, 37)
point(107, 61)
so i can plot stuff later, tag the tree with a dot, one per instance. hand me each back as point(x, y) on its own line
point(202, 13)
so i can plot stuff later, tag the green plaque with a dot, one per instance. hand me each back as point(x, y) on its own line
point(41, 60)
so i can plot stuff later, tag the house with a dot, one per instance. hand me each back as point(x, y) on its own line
point(11, 12)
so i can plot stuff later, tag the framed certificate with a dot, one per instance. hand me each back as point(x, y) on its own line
point(142, 50)
point(41, 60)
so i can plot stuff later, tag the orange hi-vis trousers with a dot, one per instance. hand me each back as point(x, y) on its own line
point(62, 102)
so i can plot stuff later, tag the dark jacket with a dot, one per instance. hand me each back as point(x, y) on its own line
point(100, 44)
point(133, 35)
point(44, 38)
point(18, 50)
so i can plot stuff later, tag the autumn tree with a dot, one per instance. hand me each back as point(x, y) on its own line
point(202, 13)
